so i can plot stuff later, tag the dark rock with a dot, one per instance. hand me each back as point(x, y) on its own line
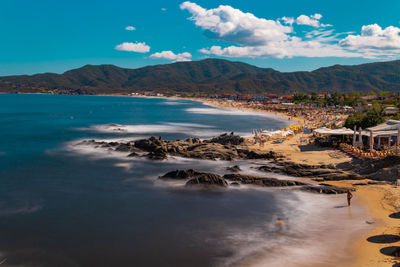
point(342, 176)
point(222, 147)
point(311, 171)
point(226, 139)
point(181, 174)
point(261, 181)
point(208, 180)
point(235, 168)
point(326, 189)
point(123, 147)
point(133, 154)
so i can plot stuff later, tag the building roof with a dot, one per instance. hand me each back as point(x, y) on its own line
point(390, 125)
point(327, 131)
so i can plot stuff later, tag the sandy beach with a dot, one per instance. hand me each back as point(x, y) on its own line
point(379, 200)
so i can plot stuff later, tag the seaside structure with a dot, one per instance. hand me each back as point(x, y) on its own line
point(387, 134)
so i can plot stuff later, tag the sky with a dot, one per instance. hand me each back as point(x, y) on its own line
point(56, 36)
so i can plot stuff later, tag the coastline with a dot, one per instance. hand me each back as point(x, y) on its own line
point(373, 197)
point(379, 200)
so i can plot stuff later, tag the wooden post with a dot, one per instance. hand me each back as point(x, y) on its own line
point(355, 136)
point(371, 141)
point(360, 141)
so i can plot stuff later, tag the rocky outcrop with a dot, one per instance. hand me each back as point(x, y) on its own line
point(386, 169)
point(235, 168)
point(207, 180)
point(325, 172)
point(223, 147)
point(261, 181)
point(326, 189)
point(180, 174)
point(228, 139)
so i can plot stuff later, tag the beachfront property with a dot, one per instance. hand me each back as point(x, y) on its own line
point(379, 141)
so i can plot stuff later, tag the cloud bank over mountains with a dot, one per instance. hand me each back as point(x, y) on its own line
point(259, 37)
point(185, 56)
point(248, 36)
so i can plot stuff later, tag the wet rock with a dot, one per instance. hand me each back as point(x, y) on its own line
point(223, 147)
point(181, 174)
point(311, 171)
point(124, 147)
point(261, 181)
point(326, 189)
point(207, 180)
point(133, 154)
point(235, 168)
point(228, 139)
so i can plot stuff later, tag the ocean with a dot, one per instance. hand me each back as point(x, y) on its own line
point(63, 204)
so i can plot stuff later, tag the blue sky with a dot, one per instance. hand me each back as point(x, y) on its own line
point(55, 36)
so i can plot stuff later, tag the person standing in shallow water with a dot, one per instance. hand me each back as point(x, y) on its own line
point(349, 196)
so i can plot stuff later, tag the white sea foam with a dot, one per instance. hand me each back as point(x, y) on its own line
point(321, 229)
point(172, 103)
point(191, 129)
point(193, 125)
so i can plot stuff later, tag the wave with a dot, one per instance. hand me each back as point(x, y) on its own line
point(313, 234)
point(172, 103)
point(232, 112)
point(16, 206)
point(190, 129)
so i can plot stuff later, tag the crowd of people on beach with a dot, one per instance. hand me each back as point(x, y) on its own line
point(308, 114)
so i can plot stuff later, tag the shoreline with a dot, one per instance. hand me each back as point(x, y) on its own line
point(373, 197)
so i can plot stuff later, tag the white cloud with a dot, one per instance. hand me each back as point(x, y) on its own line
point(130, 28)
point(374, 37)
point(295, 48)
point(185, 56)
point(375, 42)
point(133, 47)
point(288, 20)
point(250, 36)
point(312, 20)
point(232, 25)
point(316, 16)
point(163, 9)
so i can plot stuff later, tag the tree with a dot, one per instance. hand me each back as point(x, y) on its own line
point(372, 118)
point(369, 119)
point(354, 119)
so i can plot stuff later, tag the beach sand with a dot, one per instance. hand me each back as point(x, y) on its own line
point(380, 200)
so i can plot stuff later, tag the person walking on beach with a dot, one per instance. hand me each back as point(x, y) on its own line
point(279, 224)
point(349, 196)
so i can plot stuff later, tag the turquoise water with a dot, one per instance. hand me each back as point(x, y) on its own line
point(65, 205)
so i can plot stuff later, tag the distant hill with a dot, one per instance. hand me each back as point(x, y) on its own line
point(209, 76)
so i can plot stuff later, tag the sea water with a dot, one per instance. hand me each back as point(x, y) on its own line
point(63, 204)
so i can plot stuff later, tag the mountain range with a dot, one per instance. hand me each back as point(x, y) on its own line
point(209, 76)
